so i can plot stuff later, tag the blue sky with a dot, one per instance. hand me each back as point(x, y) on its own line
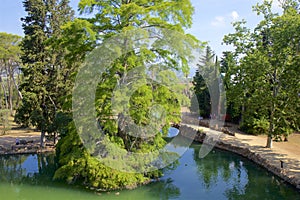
point(212, 18)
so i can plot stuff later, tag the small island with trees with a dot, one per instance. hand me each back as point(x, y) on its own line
point(260, 81)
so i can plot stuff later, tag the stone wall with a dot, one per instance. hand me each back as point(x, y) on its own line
point(245, 152)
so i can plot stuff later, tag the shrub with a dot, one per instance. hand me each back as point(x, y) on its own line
point(260, 126)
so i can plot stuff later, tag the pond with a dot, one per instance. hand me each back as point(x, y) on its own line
point(220, 175)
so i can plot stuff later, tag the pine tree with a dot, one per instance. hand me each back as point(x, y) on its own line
point(43, 64)
point(206, 84)
point(9, 61)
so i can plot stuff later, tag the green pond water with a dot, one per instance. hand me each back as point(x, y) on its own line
point(220, 175)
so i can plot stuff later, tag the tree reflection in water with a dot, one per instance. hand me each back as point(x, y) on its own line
point(11, 168)
point(220, 175)
point(221, 167)
point(240, 178)
point(164, 189)
point(35, 169)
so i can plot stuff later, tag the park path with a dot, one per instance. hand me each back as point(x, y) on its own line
point(287, 152)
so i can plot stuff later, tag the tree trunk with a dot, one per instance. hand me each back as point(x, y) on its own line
point(269, 142)
point(10, 98)
point(242, 116)
point(272, 109)
point(42, 139)
point(4, 92)
point(9, 75)
point(55, 138)
point(271, 127)
point(17, 88)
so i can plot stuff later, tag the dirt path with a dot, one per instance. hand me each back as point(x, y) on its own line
point(8, 141)
point(290, 149)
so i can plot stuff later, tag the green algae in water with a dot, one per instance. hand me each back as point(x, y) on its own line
point(220, 175)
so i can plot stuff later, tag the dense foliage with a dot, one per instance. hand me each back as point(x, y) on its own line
point(9, 77)
point(109, 19)
point(45, 70)
point(264, 73)
point(205, 86)
point(261, 76)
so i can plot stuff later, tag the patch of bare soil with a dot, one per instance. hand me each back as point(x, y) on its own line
point(28, 135)
point(291, 148)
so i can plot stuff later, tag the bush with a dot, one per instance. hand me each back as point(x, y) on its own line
point(255, 126)
point(260, 126)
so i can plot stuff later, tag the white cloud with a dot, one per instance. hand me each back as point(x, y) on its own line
point(221, 21)
point(218, 21)
point(234, 15)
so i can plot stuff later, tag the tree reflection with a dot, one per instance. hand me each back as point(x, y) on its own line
point(261, 186)
point(13, 169)
point(216, 167)
point(165, 189)
point(238, 178)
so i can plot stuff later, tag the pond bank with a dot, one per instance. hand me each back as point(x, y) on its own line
point(284, 164)
point(8, 144)
point(27, 151)
point(274, 160)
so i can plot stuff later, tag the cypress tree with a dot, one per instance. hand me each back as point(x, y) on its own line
point(42, 63)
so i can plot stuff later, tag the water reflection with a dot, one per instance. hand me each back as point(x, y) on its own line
point(220, 175)
point(11, 168)
point(216, 166)
point(36, 168)
point(165, 189)
point(238, 178)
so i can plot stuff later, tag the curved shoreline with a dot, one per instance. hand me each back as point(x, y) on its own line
point(267, 158)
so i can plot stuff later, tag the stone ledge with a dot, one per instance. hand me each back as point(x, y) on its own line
point(284, 174)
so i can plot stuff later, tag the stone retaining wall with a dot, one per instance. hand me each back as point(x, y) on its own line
point(245, 152)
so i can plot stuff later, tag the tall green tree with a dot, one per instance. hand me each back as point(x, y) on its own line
point(266, 79)
point(44, 68)
point(110, 19)
point(228, 67)
point(202, 97)
point(206, 84)
point(9, 77)
point(9, 66)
